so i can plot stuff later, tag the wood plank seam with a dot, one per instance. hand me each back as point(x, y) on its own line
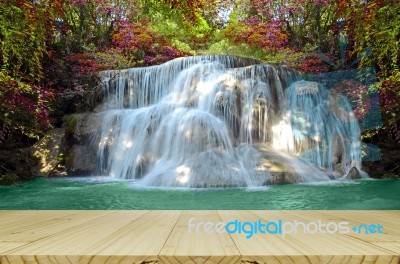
point(172, 229)
point(59, 232)
point(178, 224)
point(348, 235)
point(233, 241)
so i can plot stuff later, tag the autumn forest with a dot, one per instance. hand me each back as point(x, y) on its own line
point(52, 49)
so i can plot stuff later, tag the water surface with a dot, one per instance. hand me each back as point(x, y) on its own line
point(103, 193)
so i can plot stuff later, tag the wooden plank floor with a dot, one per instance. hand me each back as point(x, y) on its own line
point(163, 237)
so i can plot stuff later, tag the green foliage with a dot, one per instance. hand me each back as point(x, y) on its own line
point(192, 34)
point(375, 25)
point(234, 28)
point(285, 56)
point(63, 44)
point(87, 25)
point(389, 94)
point(143, 46)
point(182, 46)
point(24, 29)
point(303, 21)
point(77, 72)
point(380, 30)
point(24, 111)
point(111, 59)
point(225, 47)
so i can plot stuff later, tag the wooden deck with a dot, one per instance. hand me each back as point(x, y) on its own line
point(163, 237)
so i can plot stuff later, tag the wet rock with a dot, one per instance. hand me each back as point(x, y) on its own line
point(339, 170)
point(48, 151)
point(385, 164)
point(9, 178)
point(80, 161)
point(80, 154)
point(353, 174)
point(280, 178)
point(16, 166)
point(68, 150)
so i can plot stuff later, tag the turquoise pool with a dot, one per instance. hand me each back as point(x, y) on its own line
point(99, 193)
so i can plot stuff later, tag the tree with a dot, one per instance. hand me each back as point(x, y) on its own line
point(26, 29)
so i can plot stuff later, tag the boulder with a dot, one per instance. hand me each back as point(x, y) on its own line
point(80, 156)
point(48, 151)
point(16, 166)
point(353, 174)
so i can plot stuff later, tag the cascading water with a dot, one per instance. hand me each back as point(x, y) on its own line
point(216, 121)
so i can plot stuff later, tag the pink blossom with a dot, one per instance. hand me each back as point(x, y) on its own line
point(79, 2)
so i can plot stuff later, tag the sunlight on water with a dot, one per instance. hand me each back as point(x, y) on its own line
point(221, 121)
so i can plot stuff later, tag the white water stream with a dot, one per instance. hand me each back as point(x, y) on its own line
point(219, 121)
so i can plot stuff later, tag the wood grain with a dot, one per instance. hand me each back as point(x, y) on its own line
point(198, 247)
point(163, 237)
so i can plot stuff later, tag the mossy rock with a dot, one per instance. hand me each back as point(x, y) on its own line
point(15, 177)
point(69, 159)
point(70, 125)
point(9, 178)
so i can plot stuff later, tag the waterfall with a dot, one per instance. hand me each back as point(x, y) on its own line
point(219, 121)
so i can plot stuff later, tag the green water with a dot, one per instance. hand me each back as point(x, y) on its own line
point(103, 193)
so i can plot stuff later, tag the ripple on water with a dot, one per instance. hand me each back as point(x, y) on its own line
point(106, 193)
